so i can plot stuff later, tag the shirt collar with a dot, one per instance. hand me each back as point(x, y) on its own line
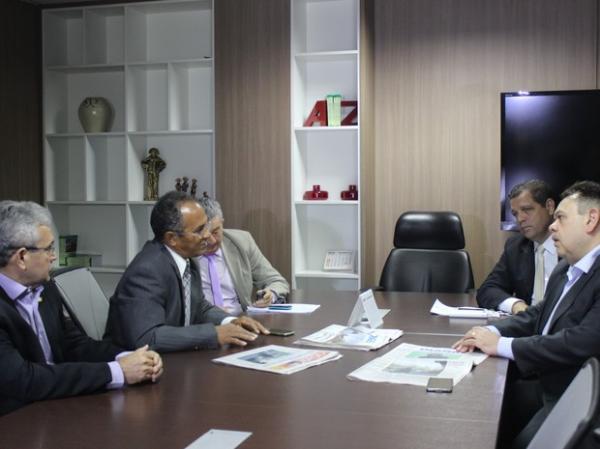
point(179, 261)
point(15, 290)
point(584, 264)
point(218, 254)
point(548, 245)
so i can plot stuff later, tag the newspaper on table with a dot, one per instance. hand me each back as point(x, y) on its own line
point(279, 359)
point(439, 308)
point(357, 337)
point(414, 365)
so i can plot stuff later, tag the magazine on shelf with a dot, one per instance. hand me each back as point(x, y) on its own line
point(414, 365)
point(279, 359)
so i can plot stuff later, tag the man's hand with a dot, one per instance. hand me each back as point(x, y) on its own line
point(141, 365)
point(250, 324)
point(480, 338)
point(519, 306)
point(234, 334)
point(264, 298)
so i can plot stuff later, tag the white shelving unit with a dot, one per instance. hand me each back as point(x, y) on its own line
point(154, 63)
point(324, 60)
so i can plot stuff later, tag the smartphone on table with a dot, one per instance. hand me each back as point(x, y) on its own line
point(281, 332)
point(440, 385)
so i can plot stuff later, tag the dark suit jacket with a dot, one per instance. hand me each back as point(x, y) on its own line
point(148, 306)
point(24, 375)
point(573, 337)
point(512, 276)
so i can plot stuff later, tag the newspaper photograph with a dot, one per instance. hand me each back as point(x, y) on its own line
point(357, 337)
point(279, 359)
point(414, 365)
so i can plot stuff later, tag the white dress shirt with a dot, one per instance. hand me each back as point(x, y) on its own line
point(550, 261)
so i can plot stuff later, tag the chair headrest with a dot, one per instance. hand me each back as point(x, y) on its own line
point(429, 230)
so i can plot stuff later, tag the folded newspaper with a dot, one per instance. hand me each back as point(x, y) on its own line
point(279, 359)
point(414, 365)
point(439, 308)
point(357, 337)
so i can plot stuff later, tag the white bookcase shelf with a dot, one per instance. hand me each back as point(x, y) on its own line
point(153, 61)
point(326, 274)
point(324, 60)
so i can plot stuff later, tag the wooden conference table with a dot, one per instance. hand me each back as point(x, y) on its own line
point(315, 408)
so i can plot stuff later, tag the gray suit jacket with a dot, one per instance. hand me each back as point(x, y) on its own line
point(573, 336)
point(148, 306)
point(249, 268)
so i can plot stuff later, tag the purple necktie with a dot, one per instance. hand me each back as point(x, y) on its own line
point(215, 284)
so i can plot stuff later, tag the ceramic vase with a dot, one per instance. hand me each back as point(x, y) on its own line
point(95, 115)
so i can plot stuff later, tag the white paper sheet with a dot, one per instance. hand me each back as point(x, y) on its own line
point(296, 308)
point(220, 439)
point(439, 308)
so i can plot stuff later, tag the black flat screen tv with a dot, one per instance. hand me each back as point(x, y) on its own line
point(553, 136)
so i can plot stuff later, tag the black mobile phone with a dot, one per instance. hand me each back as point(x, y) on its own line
point(281, 332)
point(440, 385)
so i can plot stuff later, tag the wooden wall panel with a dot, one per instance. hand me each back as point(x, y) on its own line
point(367, 142)
point(439, 68)
point(20, 102)
point(252, 102)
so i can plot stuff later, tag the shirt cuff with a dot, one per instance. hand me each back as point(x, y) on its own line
point(505, 348)
point(506, 305)
point(118, 378)
point(228, 320)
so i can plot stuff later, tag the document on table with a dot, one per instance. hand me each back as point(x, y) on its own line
point(279, 359)
point(439, 308)
point(356, 337)
point(414, 365)
point(220, 439)
point(285, 308)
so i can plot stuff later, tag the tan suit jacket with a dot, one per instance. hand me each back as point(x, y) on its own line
point(248, 267)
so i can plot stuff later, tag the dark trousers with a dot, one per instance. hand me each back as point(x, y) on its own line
point(522, 402)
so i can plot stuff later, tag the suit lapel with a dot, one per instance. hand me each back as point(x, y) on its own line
point(30, 339)
point(173, 266)
point(527, 265)
point(567, 301)
point(232, 263)
point(48, 314)
point(556, 284)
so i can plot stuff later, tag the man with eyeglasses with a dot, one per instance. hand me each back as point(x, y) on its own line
point(43, 355)
point(159, 299)
point(232, 265)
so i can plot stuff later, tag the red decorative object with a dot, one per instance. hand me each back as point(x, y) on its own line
point(319, 113)
point(315, 194)
point(352, 117)
point(351, 194)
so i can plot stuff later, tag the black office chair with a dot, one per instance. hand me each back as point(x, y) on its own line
point(428, 255)
point(573, 422)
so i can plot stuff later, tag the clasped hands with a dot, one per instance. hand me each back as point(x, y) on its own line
point(240, 331)
point(478, 337)
point(141, 365)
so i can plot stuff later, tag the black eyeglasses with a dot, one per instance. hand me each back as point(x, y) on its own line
point(50, 249)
